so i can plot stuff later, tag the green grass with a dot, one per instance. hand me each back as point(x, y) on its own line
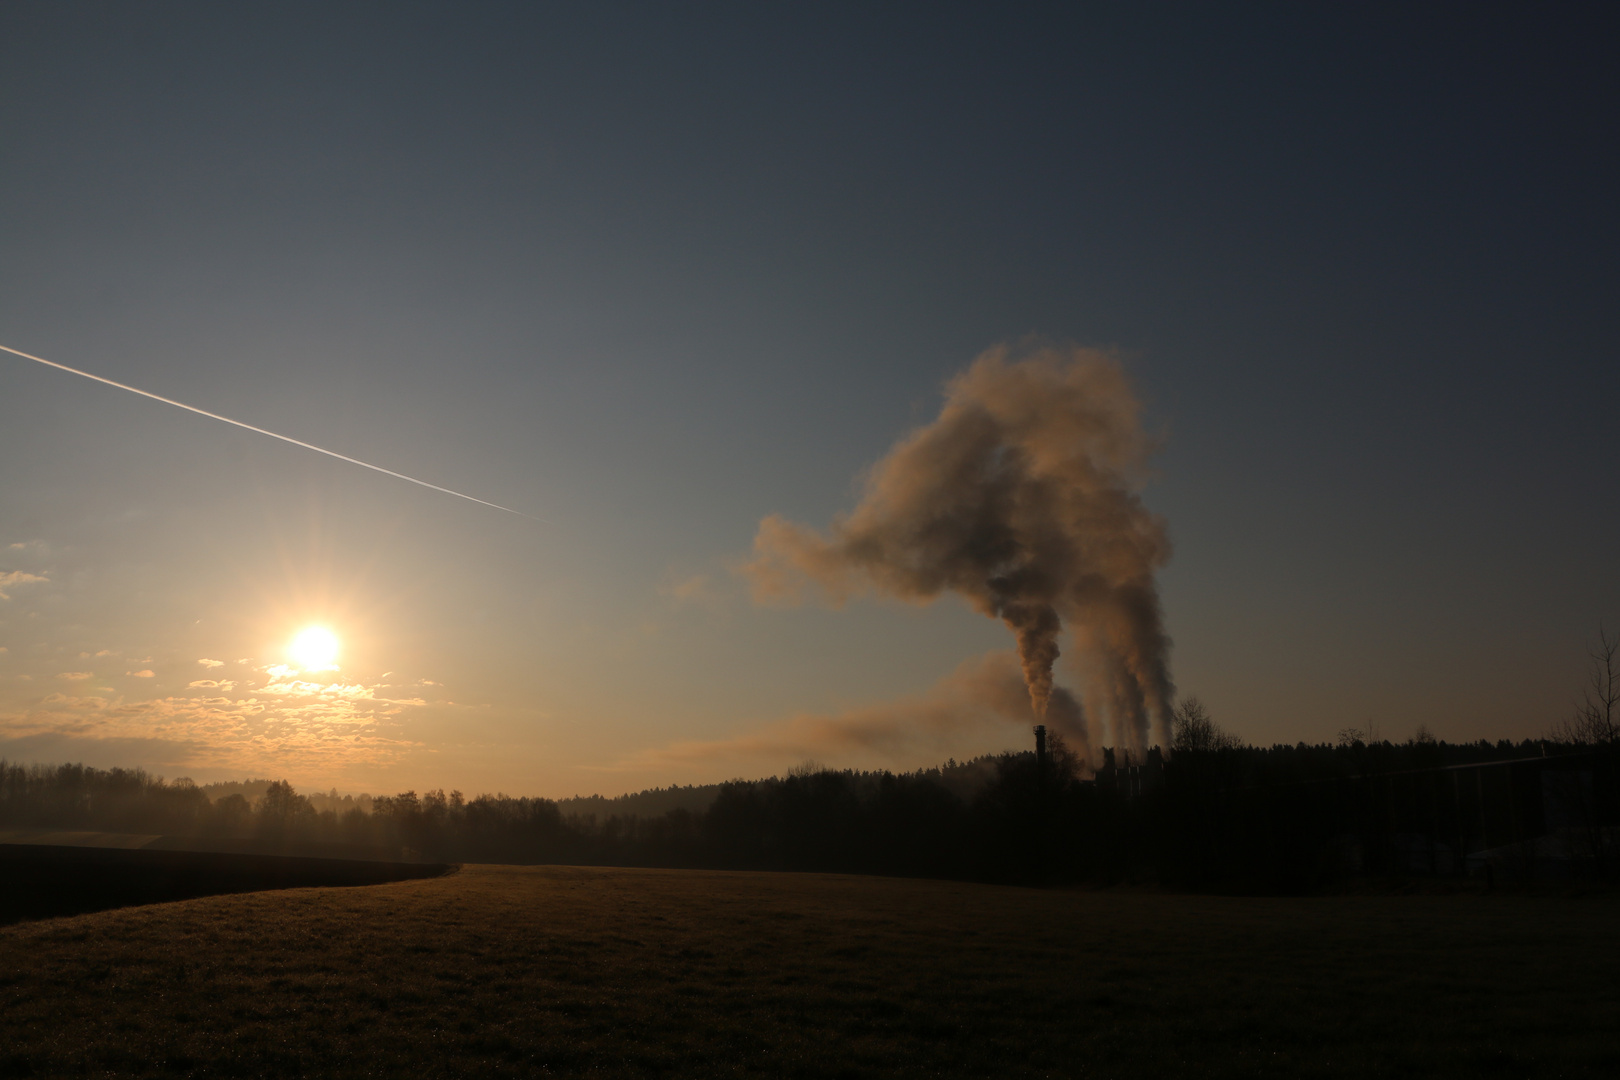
point(559, 971)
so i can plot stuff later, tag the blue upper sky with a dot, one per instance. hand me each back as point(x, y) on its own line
point(652, 272)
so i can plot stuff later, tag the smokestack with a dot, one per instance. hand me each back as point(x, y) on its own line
point(1040, 745)
point(1023, 498)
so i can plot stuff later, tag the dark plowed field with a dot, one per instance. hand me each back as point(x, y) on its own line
point(38, 881)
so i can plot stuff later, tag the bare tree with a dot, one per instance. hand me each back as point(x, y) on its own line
point(1192, 728)
point(1597, 718)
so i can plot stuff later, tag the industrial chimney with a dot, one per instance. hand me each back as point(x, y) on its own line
point(1040, 745)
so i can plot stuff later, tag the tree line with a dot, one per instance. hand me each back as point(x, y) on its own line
point(1213, 814)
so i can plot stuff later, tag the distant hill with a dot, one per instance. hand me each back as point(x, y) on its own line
point(652, 802)
point(251, 790)
point(963, 779)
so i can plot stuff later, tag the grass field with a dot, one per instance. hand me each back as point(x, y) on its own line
point(507, 971)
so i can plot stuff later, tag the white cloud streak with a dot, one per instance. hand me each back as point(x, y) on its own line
point(12, 578)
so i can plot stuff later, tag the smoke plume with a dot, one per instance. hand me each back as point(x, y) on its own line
point(1022, 497)
point(976, 701)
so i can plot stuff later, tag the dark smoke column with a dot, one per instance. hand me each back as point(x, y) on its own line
point(1022, 497)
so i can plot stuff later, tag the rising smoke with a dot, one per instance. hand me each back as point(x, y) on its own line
point(981, 695)
point(1022, 497)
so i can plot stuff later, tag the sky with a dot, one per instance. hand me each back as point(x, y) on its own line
point(650, 274)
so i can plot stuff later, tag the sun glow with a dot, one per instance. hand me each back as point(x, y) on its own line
point(314, 648)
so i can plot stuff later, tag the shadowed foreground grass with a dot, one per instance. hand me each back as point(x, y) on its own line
point(41, 881)
point(559, 970)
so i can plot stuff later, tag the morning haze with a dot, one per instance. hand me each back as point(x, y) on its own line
point(668, 281)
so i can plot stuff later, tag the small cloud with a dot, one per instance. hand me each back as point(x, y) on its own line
point(212, 684)
point(698, 590)
point(148, 673)
point(245, 660)
point(104, 652)
point(75, 676)
point(4, 649)
point(12, 578)
point(207, 663)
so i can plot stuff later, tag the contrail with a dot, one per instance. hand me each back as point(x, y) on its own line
point(261, 431)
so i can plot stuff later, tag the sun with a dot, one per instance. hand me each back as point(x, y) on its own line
point(314, 648)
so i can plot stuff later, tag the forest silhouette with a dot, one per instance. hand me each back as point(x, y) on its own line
point(1212, 815)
